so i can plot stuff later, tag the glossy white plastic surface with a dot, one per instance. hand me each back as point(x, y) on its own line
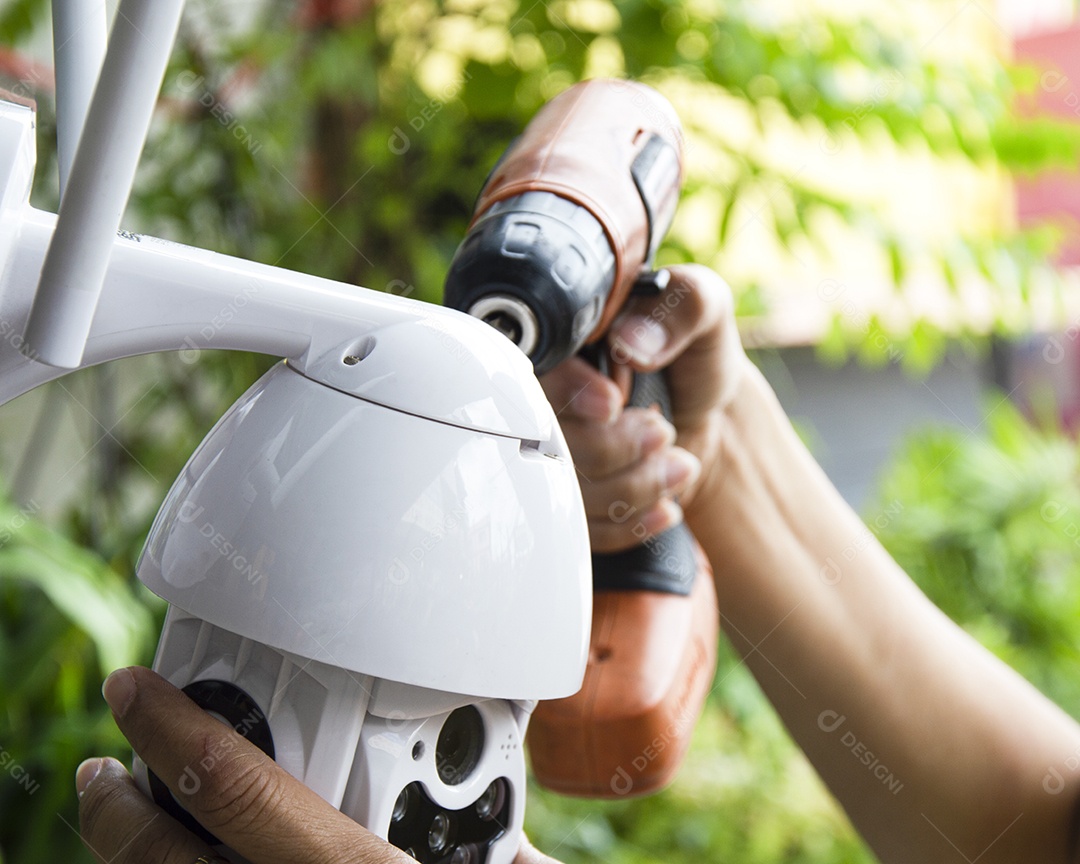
point(80, 34)
point(380, 542)
point(102, 172)
point(163, 296)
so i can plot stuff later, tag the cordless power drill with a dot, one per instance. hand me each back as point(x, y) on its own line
point(564, 231)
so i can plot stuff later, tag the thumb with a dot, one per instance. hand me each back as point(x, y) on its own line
point(529, 854)
point(689, 327)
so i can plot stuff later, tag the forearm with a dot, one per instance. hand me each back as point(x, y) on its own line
point(937, 750)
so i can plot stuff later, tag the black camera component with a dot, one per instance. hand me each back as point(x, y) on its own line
point(460, 745)
point(233, 706)
point(434, 835)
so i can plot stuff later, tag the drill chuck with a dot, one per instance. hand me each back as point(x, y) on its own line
point(511, 317)
point(570, 217)
point(539, 268)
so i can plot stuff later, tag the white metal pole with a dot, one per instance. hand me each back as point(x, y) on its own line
point(80, 32)
point(101, 177)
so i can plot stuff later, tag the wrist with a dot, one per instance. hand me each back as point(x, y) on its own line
point(735, 432)
point(761, 496)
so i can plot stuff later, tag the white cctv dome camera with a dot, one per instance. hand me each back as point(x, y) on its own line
point(377, 561)
point(378, 599)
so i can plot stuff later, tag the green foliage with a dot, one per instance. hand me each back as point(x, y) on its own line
point(19, 18)
point(355, 152)
point(988, 525)
point(68, 619)
point(364, 145)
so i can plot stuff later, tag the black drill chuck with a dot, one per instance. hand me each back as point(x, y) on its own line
point(539, 268)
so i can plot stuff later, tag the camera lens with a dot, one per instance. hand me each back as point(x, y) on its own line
point(439, 833)
point(490, 803)
point(460, 744)
point(464, 854)
point(402, 804)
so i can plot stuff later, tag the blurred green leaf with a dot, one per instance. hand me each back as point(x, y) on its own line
point(356, 152)
point(988, 525)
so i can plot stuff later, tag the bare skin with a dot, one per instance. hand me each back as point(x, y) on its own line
point(852, 655)
point(968, 761)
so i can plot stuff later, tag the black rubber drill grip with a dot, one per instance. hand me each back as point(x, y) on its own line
point(665, 562)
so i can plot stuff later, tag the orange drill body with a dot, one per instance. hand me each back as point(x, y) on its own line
point(581, 146)
point(565, 227)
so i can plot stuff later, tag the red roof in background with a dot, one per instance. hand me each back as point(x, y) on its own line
point(1054, 194)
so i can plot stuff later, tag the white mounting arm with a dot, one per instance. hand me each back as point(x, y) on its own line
point(101, 176)
point(162, 296)
point(80, 32)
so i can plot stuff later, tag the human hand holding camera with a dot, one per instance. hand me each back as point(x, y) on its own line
point(246, 799)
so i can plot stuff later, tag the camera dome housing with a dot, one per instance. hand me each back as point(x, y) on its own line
point(347, 532)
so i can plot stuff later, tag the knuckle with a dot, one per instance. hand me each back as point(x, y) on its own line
point(240, 794)
point(618, 497)
point(708, 297)
point(605, 453)
point(98, 806)
point(108, 821)
point(653, 485)
point(699, 310)
point(153, 845)
point(604, 460)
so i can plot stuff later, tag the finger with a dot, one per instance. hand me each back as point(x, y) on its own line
point(652, 331)
point(600, 451)
point(690, 326)
point(627, 527)
point(245, 798)
point(664, 474)
point(577, 390)
point(119, 825)
point(529, 854)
